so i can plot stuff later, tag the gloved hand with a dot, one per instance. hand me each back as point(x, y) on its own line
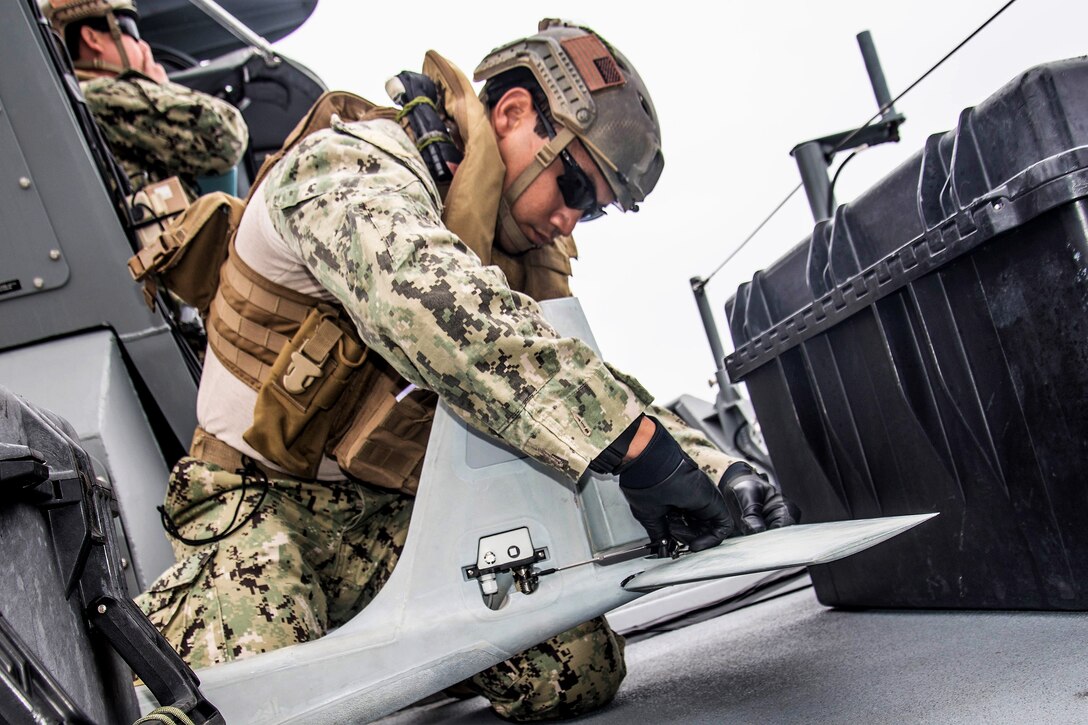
point(672, 498)
point(753, 502)
point(754, 505)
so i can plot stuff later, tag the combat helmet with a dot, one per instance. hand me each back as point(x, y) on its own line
point(62, 13)
point(597, 96)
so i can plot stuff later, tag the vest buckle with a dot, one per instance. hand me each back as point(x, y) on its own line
point(300, 374)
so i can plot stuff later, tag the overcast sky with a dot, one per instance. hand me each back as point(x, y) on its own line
point(736, 85)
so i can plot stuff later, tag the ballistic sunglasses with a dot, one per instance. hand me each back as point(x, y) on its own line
point(128, 26)
point(125, 22)
point(575, 184)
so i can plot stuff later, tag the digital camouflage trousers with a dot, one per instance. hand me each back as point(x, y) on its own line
point(309, 557)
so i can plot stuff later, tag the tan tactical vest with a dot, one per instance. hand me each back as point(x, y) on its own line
point(318, 391)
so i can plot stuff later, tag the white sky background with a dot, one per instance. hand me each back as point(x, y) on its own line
point(736, 85)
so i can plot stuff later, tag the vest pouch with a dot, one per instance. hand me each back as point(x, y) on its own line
point(297, 404)
point(386, 440)
point(154, 206)
point(186, 255)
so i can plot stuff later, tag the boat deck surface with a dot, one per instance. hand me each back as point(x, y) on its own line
point(792, 660)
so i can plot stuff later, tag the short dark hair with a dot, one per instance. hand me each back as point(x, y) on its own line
point(497, 86)
point(71, 31)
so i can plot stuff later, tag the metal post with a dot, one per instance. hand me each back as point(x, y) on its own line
point(812, 163)
point(238, 29)
point(726, 392)
point(736, 416)
point(876, 73)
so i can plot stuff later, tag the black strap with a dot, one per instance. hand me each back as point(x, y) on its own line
point(609, 460)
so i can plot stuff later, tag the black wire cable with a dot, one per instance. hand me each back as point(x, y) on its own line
point(251, 475)
point(861, 128)
point(834, 179)
point(754, 232)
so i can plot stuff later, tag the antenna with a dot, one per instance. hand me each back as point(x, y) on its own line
point(876, 74)
point(238, 29)
point(813, 157)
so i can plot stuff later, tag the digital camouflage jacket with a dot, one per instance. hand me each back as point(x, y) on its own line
point(364, 215)
point(161, 130)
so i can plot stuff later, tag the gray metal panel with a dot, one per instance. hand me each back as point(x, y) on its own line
point(483, 451)
point(79, 213)
point(32, 260)
point(607, 515)
point(83, 380)
point(608, 518)
point(702, 416)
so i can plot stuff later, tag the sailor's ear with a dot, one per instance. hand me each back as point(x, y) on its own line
point(513, 109)
point(93, 40)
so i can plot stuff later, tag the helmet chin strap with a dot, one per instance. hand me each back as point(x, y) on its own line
point(97, 64)
point(115, 33)
point(511, 238)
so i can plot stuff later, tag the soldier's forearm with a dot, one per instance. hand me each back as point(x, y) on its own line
point(642, 438)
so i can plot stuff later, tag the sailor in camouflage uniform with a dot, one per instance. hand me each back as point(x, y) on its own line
point(349, 218)
point(155, 128)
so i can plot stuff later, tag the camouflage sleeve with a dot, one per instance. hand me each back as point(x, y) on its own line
point(366, 222)
point(167, 128)
point(711, 460)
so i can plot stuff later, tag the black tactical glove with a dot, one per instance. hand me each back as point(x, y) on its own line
point(663, 480)
point(754, 505)
point(754, 502)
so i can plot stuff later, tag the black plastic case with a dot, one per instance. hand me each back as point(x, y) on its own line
point(927, 350)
